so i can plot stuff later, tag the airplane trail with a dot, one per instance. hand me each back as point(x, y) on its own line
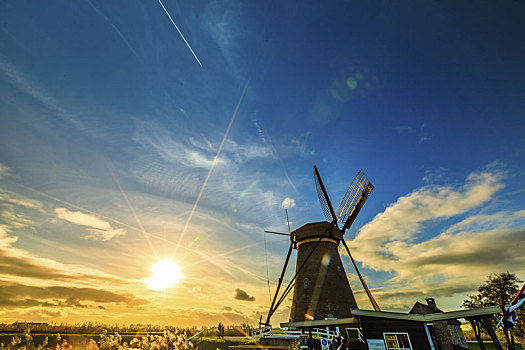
point(213, 163)
point(178, 30)
point(116, 29)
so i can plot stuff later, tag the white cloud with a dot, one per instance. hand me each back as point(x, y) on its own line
point(402, 220)
point(486, 222)
point(455, 261)
point(424, 139)
point(98, 228)
point(288, 203)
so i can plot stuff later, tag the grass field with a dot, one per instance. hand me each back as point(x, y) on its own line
point(473, 345)
point(212, 343)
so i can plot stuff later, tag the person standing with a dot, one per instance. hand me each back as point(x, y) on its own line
point(344, 345)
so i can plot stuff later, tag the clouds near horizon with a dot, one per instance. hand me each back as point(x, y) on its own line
point(242, 295)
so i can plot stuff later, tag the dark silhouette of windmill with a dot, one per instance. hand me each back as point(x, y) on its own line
point(321, 288)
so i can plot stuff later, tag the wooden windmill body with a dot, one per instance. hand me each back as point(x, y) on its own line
point(322, 289)
point(320, 285)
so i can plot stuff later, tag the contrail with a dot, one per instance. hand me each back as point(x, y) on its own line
point(116, 29)
point(213, 163)
point(178, 30)
point(268, 140)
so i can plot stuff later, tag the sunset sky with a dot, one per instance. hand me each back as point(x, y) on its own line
point(137, 131)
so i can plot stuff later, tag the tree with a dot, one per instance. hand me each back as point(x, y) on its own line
point(499, 290)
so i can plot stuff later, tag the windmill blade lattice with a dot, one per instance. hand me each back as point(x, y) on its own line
point(352, 196)
point(326, 205)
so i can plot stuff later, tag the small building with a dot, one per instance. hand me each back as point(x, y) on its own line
point(419, 330)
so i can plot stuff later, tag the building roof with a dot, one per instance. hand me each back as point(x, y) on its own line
point(315, 230)
point(438, 316)
point(321, 323)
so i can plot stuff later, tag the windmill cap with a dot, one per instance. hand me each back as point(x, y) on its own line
point(316, 230)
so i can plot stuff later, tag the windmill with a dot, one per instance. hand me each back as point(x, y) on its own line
point(321, 288)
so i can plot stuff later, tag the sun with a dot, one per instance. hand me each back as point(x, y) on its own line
point(166, 273)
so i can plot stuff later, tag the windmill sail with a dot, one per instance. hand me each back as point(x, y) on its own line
point(354, 199)
point(326, 205)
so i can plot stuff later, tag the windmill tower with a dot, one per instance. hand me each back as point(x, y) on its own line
point(321, 288)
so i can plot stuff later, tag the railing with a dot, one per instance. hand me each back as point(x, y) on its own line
point(269, 332)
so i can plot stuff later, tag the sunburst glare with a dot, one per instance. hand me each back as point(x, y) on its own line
point(166, 273)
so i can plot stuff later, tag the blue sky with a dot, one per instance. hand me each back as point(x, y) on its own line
point(110, 129)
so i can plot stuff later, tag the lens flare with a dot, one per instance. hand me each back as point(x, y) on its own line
point(166, 273)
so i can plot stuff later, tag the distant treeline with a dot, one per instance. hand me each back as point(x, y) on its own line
point(95, 328)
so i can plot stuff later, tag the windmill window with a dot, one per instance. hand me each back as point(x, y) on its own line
point(338, 268)
point(306, 283)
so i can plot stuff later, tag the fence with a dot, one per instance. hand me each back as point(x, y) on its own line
point(269, 332)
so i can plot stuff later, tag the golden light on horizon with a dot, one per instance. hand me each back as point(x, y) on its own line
point(166, 273)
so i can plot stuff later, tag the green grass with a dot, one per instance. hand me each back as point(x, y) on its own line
point(488, 345)
point(213, 343)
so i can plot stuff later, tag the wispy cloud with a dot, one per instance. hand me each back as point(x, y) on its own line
point(15, 213)
point(219, 20)
point(435, 176)
point(98, 228)
point(36, 91)
point(488, 222)
point(23, 296)
point(188, 151)
point(424, 139)
point(20, 265)
point(4, 170)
